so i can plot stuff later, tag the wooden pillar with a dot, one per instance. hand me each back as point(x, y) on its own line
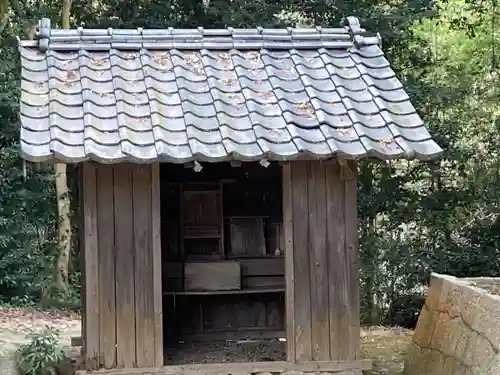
point(321, 260)
point(122, 278)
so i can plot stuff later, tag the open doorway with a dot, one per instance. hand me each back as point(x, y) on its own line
point(223, 263)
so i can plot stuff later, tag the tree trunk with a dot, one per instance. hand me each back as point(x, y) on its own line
point(63, 199)
point(66, 12)
point(64, 226)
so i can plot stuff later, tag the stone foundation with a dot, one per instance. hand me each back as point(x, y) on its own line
point(458, 331)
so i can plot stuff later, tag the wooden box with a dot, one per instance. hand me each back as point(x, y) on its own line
point(212, 276)
point(247, 237)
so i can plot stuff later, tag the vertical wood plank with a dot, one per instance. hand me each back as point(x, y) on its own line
point(81, 249)
point(352, 261)
point(339, 312)
point(157, 262)
point(289, 261)
point(124, 240)
point(105, 225)
point(303, 346)
point(221, 224)
point(320, 330)
point(182, 231)
point(91, 267)
point(143, 276)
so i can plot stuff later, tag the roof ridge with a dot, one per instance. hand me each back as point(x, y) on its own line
point(200, 38)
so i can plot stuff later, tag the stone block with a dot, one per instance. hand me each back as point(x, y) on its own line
point(437, 292)
point(296, 373)
point(435, 363)
point(493, 367)
point(425, 328)
point(440, 337)
point(483, 351)
point(458, 332)
point(469, 302)
point(415, 362)
point(449, 366)
point(457, 338)
point(488, 310)
point(468, 356)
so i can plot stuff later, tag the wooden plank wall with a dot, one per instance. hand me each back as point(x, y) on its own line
point(122, 272)
point(321, 261)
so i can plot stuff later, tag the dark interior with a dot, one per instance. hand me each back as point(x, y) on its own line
point(223, 257)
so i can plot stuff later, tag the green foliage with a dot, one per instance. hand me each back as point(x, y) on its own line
point(27, 198)
point(27, 208)
point(442, 216)
point(42, 355)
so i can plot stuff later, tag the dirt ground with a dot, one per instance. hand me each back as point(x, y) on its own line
point(386, 346)
point(226, 351)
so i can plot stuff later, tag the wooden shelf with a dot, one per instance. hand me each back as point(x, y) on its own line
point(201, 236)
point(222, 292)
point(247, 217)
point(255, 257)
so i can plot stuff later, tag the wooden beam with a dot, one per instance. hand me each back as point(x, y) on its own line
point(143, 265)
point(157, 274)
point(245, 367)
point(318, 264)
point(301, 260)
point(335, 193)
point(124, 242)
point(289, 269)
point(107, 291)
point(91, 267)
point(352, 262)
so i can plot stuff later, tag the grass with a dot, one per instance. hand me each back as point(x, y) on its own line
point(387, 348)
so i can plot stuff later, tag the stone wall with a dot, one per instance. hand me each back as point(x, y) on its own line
point(458, 331)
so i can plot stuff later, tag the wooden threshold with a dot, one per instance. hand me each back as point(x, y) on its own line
point(223, 292)
point(241, 367)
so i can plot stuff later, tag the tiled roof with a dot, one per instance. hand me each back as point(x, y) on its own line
point(211, 95)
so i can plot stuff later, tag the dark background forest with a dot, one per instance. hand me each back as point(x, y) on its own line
point(415, 217)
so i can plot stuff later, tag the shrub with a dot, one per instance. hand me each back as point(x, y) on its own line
point(42, 354)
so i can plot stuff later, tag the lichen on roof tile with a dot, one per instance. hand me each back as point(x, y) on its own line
point(211, 95)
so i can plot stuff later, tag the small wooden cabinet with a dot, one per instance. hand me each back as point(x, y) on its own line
point(202, 222)
point(212, 276)
point(247, 236)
